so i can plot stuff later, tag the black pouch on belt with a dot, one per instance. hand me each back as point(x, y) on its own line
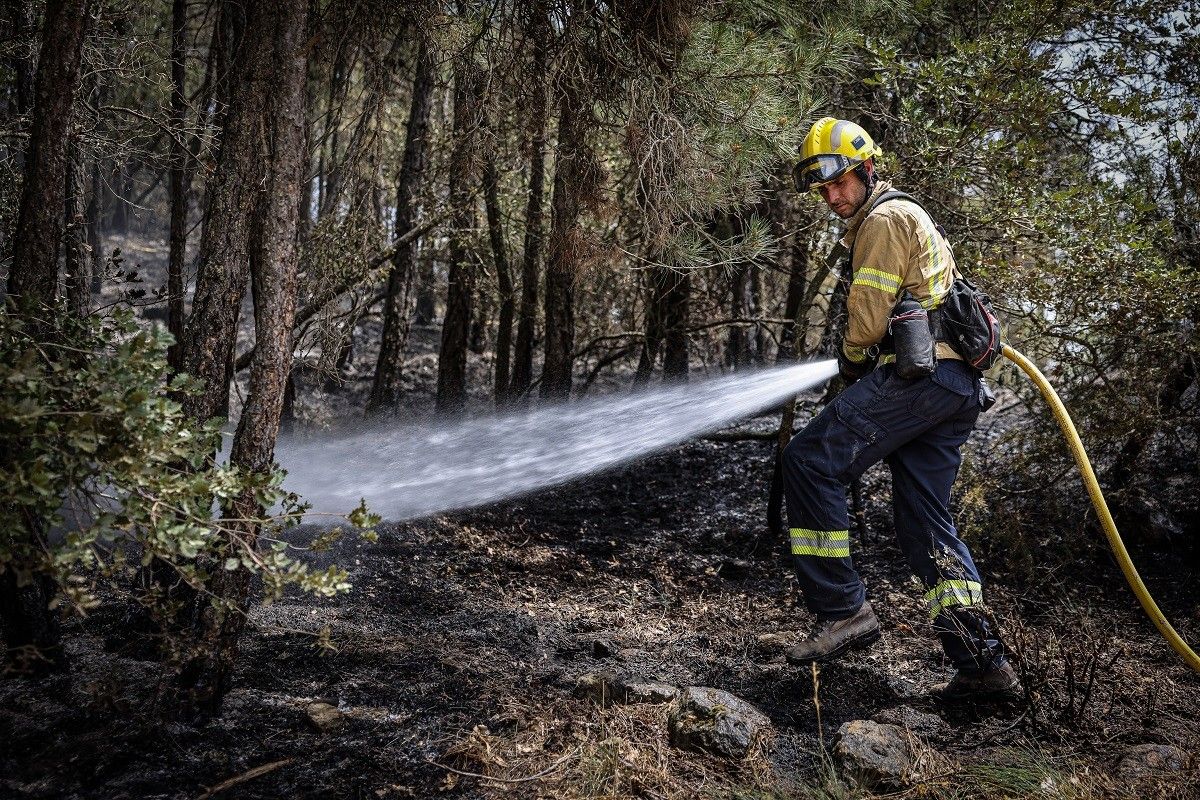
point(912, 339)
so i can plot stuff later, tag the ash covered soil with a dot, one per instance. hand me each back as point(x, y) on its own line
point(461, 647)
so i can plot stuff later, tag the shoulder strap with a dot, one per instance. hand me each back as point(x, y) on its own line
point(893, 194)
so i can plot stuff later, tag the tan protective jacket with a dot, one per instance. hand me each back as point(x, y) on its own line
point(895, 248)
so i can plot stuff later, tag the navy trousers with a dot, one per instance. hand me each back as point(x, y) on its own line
point(917, 427)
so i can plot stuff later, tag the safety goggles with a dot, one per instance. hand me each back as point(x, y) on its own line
point(820, 169)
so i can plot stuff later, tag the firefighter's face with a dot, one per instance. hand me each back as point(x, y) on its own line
point(845, 195)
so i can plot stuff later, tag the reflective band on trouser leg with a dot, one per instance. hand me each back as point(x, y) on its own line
point(829, 544)
point(953, 593)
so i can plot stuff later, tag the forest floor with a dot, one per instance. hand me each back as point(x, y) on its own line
point(465, 636)
point(461, 649)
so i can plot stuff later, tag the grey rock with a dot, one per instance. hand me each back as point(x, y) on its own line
point(637, 690)
point(607, 689)
point(712, 721)
point(874, 755)
point(1145, 760)
point(602, 648)
point(918, 722)
point(324, 717)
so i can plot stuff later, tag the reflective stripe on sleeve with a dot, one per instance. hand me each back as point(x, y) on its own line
point(953, 593)
point(855, 354)
point(878, 279)
point(828, 544)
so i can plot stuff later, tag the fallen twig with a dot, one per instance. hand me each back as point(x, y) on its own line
point(248, 775)
point(533, 777)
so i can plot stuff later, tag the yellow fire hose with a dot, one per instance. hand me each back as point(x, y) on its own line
point(1106, 520)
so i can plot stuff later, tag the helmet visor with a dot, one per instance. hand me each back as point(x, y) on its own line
point(819, 169)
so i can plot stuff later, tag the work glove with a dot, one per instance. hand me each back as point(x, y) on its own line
point(853, 370)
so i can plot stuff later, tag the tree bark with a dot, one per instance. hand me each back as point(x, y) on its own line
point(385, 387)
point(503, 279)
point(19, 15)
point(33, 277)
point(274, 71)
point(456, 329)
point(178, 183)
point(575, 182)
point(233, 193)
point(76, 260)
point(652, 326)
point(30, 628)
point(675, 324)
point(522, 371)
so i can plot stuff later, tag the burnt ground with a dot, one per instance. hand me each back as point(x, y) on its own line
point(459, 650)
point(463, 639)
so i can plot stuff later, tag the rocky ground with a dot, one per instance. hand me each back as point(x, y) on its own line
point(624, 637)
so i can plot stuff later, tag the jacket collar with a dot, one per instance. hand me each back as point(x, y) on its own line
point(853, 224)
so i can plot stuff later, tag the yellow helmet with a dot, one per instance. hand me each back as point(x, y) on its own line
point(832, 147)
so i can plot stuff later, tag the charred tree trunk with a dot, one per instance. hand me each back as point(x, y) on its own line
point(77, 263)
point(675, 322)
point(31, 630)
point(737, 346)
point(656, 289)
point(19, 18)
point(385, 387)
point(178, 183)
point(232, 194)
point(522, 373)
point(274, 72)
point(426, 307)
point(33, 277)
point(503, 280)
point(339, 81)
point(576, 182)
point(456, 329)
point(792, 346)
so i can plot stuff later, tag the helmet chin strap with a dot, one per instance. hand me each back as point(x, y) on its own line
point(867, 176)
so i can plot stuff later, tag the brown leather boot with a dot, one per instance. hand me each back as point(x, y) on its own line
point(833, 637)
point(998, 683)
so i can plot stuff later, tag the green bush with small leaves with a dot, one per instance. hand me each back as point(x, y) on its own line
point(102, 471)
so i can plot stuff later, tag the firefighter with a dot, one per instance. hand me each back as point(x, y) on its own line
point(916, 426)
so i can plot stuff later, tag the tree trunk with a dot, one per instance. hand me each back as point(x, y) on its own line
point(19, 15)
point(92, 212)
point(737, 347)
point(385, 387)
point(274, 73)
point(77, 263)
point(30, 628)
point(33, 277)
point(426, 310)
point(522, 372)
point(675, 322)
point(575, 181)
point(233, 193)
point(456, 330)
point(658, 285)
point(178, 183)
point(339, 81)
point(503, 280)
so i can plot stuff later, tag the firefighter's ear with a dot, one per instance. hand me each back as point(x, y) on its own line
point(869, 166)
